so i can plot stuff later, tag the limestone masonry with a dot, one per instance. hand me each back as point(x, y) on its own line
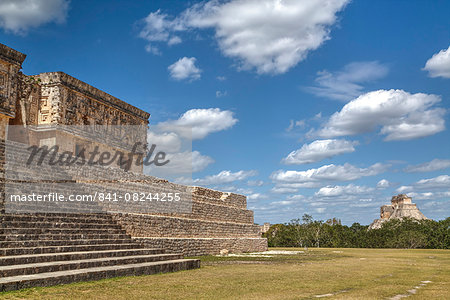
point(401, 207)
point(98, 245)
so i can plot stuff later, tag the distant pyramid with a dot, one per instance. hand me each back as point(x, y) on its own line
point(401, 207)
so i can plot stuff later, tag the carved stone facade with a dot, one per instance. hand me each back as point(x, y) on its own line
point(401, 207)
point(59, 100)
point(10, 65)
point(69, 101)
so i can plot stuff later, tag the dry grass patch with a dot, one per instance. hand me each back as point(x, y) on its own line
point(315, 274)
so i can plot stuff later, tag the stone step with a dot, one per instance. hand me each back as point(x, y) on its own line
point(44, 243)
point(56, 266)
point(103, 216)
point(75, 236)
point(88, 219)
point(23, 208)
point(60, 231)
point(61, 277)
point(53, 209)
point(72, 248)
point(14, 224)
point(49, 257)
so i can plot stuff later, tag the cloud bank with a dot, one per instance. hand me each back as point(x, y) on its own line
point(401, 116)
point(268, 36)
point(439, 64)
point(185, 69)
point(18, 16)
point(319, 150)
point(346, 84)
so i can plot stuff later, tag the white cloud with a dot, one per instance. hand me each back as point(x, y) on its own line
point(434, 165)
point(404, 189)
point(174, 40)
point(256, 196)
point(296, 197)
point(220, 94)
point(430, 196)
point(439, 64)
point(288, 182)
point(185, 69)
point(199, 161)
point(167, 141)
point(270, 36)
point(182, 163)
point(423, 196)
point(198, 123)
point(221, 78)
point(442, 181)
point(282, 203)
point(367, 205)
point(319, 150)
point(415, 125)
point(295, 124)
point(327, 173)
point(18, 16)
point(174, 137)
point(383, 184)
point(283, 190)
point(339, 190)
point(178, 151)
point(401, 115)
point(255, 183)
point(222, 178)
point(346, 84)
point(292, 187)
point(234, 189)
point(157, 27)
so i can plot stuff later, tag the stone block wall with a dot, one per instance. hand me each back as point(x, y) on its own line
point(3, 125)
point(140, 225)
point(218, 220)
point(10, 65)
point(205, 246)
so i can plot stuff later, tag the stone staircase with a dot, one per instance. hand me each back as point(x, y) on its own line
point(49, 249)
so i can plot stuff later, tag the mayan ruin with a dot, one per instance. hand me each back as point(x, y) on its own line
point(94, 242)
point(401, 207)
point(224, 149)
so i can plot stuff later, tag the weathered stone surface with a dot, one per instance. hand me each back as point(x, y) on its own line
point(203, 246)
point(217, 221)
point(401, 207)
point(74, 102)
point(3, 124)
point(12, 56)
point(47, 249)
point(10, 65)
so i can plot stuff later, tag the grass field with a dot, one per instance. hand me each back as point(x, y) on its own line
point(314, 274)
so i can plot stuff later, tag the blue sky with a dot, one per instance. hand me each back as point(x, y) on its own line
point(321, 107)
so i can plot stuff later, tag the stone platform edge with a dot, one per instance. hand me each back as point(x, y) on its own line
point(205, 246)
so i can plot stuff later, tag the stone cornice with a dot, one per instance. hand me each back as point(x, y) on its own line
point(11, 55)
point(55, 78)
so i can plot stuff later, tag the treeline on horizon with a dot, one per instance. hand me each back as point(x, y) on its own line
point(406, 233)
